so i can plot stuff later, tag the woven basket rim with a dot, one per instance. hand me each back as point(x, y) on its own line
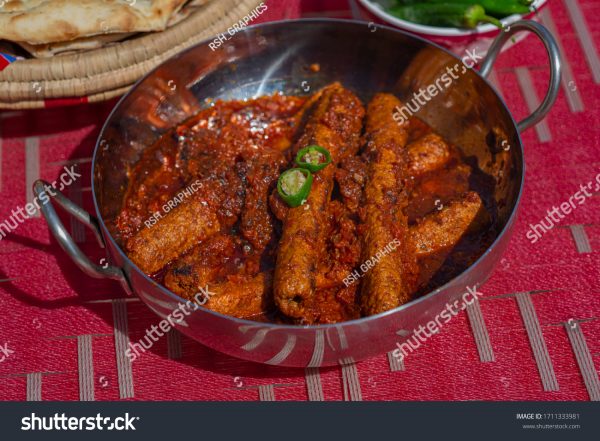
point(38, 104)
point(117, 66)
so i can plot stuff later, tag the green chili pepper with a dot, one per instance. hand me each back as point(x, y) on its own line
point(313, 158)
point(294, 186)
point(445, 14)
point(504, 9)
point(498, 8)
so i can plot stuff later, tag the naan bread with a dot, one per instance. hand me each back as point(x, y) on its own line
point(51, 21)
point(98, 41)
point(65, 47)
point(190, 8)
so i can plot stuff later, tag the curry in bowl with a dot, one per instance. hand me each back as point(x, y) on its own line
point(305, 210)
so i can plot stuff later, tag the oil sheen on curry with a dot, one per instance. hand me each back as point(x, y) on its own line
point(304, 210)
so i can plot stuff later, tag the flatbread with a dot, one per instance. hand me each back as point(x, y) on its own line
point(99, 41)
point(51, 21)
point(190, 7)
point(81, 44)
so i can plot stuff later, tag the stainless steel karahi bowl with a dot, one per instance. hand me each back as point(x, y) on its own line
point(274, 57)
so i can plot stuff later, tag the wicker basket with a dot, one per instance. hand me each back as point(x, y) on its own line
point(104, 73)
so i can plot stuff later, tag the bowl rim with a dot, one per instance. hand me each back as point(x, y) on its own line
point(299, 328)
point(376, 9)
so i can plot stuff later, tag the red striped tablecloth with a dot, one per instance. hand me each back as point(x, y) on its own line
point(534, 335)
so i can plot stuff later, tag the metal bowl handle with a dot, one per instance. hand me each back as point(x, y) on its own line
point(40, 189)
point(555, 65)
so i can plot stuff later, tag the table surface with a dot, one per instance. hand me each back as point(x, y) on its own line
point(534, 335)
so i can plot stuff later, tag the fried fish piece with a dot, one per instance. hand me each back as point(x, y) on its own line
point(174, 233)
point(239, 296)
point(204, 208)
point(236, 288)
point(438, 234)
point(391, 281)
point(428, 153)
point(242, 296)
point(438, 189)
point(434, 236)
point(443, 229)
point(334, 122)
point(206, 262)
point(256, 223)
